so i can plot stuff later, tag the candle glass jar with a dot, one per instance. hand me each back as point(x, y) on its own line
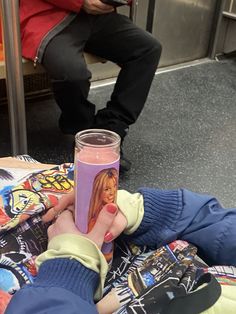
point(96, 162)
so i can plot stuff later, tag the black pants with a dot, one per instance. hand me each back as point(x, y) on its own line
point(115, 38)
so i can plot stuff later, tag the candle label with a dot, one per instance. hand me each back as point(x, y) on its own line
point(96, 186)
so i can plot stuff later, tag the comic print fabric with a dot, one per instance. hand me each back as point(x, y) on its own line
point(139, 276)
point(4, 300)
point(24, 196)
point(34, 194)
point(225, 275)
point(19, 248)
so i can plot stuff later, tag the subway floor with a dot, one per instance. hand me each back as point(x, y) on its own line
point(184, 138)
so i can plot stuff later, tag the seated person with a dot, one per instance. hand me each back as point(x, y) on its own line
point(56, 33)
point(151, 216)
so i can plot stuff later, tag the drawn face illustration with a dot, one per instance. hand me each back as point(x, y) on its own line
point(109, 191)
point(21, 201)
point(24, 200)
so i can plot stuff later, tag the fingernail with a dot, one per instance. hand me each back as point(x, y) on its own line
point(108, 237)
point(111, 209)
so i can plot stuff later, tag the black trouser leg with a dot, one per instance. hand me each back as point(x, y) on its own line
point(117, 39)
point(64, 61)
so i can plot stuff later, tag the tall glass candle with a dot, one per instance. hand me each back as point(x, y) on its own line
point(97, 156)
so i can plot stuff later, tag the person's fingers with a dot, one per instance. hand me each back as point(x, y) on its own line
point(118, 226)
point(97, 11)
point(102, 7)
point(71, 208)
point(50, 215)
point(97, 7)
point(66, 219)
point(103, 223)
point(64, 202)
point(63, 224)
point(50, 231)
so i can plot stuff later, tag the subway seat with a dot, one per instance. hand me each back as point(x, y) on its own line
point(28, 66)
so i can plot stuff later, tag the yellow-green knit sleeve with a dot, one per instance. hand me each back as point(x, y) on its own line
point(226, 302)
point(131, 205)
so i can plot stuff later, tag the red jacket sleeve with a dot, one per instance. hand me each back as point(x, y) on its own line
point(69, 5)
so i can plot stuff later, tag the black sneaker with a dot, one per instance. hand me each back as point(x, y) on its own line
point(125, 164)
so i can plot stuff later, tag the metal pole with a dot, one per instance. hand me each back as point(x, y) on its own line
point(217, 19)
point(14, 75)
point(133, 10)
point(150, 15)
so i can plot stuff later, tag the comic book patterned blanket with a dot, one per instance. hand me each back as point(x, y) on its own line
point(36, 193)
point(140, 279)
point(25, 195)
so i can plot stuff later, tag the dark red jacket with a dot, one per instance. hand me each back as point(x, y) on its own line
point(40, 20)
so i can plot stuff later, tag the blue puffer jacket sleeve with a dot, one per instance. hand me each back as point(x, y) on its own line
point(63, 286)
point(196, 218)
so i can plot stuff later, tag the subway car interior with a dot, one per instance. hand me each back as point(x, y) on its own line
point(168, 249)
point(185, 136)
